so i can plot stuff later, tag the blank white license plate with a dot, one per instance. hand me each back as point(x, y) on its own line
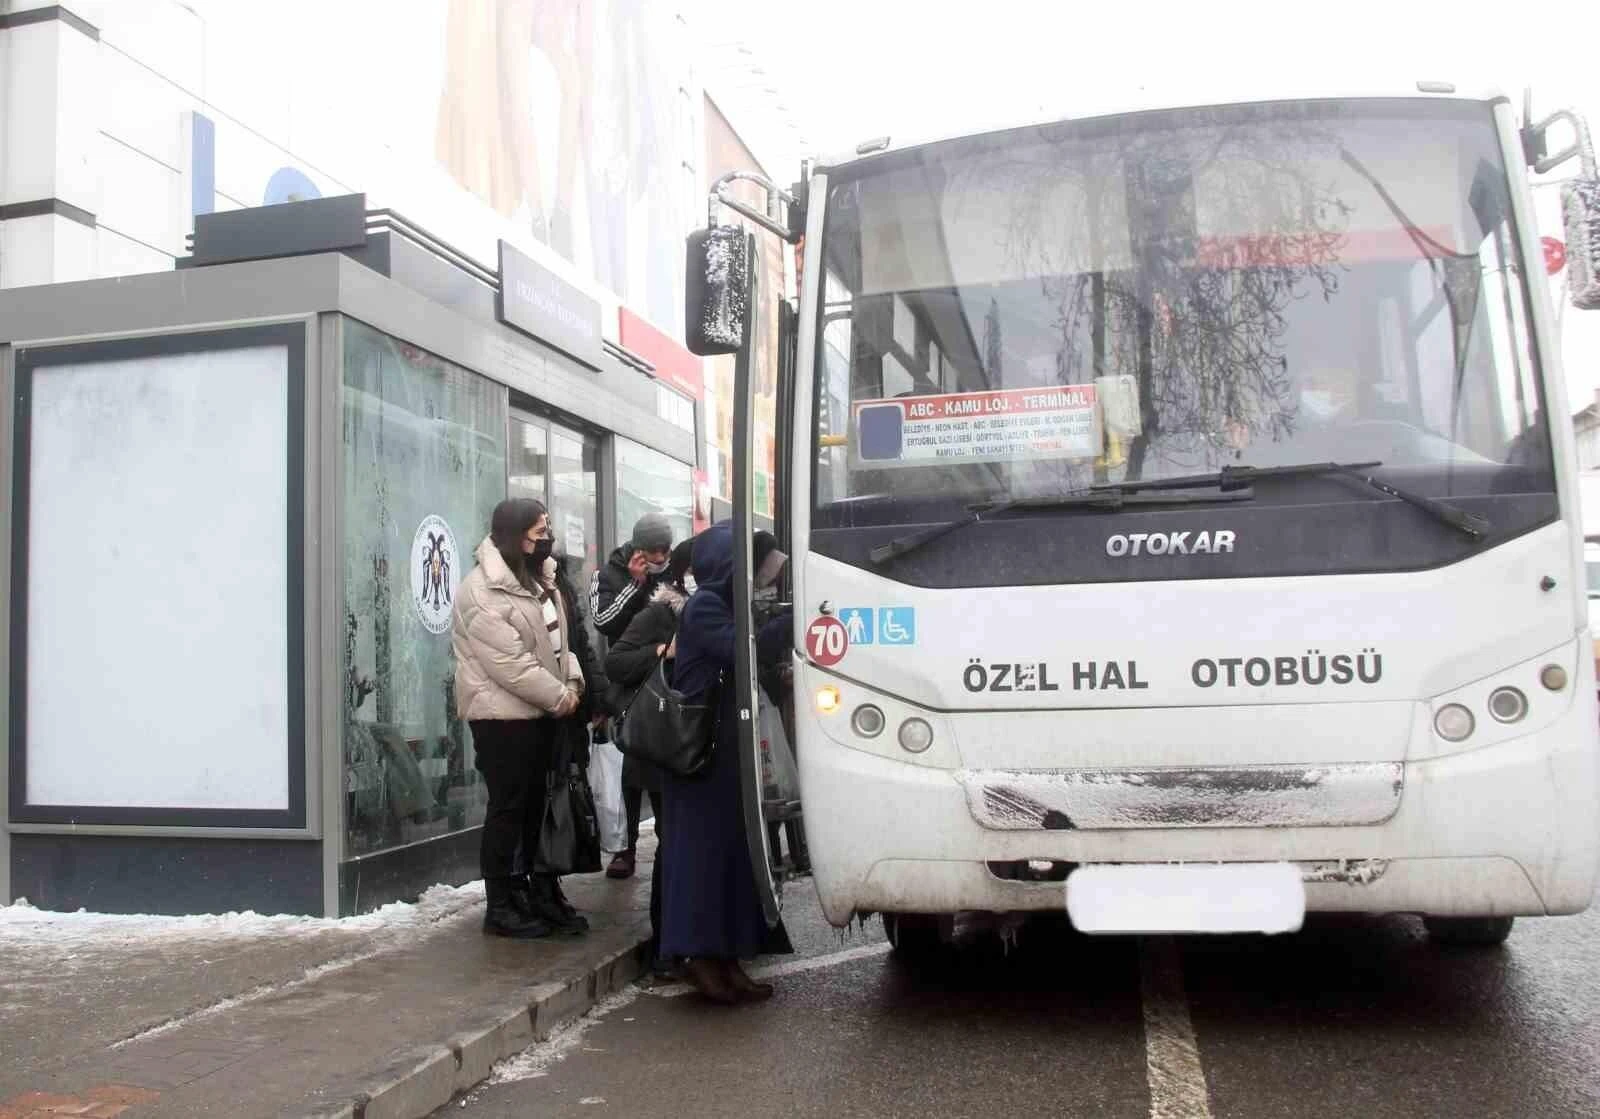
point(1186, 898)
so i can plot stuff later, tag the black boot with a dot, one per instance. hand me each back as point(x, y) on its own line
point(566, 906)
point(504, 917)
point(550, 906)
point(522, 895)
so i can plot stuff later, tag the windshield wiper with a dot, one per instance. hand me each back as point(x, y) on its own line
point(1236, 477)
point(1106, 497)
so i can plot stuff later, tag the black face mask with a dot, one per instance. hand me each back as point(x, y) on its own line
point(540, 553)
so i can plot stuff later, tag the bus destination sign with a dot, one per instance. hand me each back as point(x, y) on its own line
point(965, 427)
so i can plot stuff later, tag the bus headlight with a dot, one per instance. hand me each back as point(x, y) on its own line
point(1454, 722)
point(916, 735)
point(1553, 677)
point(867, 721)
point(1507, 705)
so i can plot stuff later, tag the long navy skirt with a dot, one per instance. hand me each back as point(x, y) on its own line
point(709, 905)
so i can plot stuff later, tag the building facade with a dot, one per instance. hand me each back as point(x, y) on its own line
point(468, 151)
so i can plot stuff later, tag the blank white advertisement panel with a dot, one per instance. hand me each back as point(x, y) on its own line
point(158, 582)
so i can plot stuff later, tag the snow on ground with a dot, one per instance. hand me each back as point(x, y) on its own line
point(535, 1061)
point(107, 979)
point(21, 925)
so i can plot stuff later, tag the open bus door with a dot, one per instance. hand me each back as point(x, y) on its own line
point(722, 277)
point(748, 694)
point(783, 721)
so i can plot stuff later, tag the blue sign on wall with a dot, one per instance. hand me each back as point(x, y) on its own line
point(289, 184)
point(857, 622)
point(202, 165)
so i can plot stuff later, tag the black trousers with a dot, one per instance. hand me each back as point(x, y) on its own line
point(633, 802)
point(514, 756)
point(655, 877)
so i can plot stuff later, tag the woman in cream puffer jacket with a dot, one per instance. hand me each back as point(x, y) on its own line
point(497, 626)
point(516, 676)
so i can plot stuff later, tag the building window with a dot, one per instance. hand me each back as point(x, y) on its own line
point(424, 467)
point(560, 466)
point(650, 482)
point(674, 407)
point(528, 473)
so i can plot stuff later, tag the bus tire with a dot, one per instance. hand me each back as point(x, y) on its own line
point(916, 937)
point(1468, 932)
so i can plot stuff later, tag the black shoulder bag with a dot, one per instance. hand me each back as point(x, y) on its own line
point(569, 835)
point(667, 728)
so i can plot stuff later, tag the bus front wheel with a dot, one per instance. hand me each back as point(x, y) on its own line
point(1468, 932)
point(917, 936)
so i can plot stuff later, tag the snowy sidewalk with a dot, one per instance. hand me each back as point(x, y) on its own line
point(247, 1015)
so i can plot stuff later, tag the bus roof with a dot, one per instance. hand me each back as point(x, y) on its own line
point(1119, 104)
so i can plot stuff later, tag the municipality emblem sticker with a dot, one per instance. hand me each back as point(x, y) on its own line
point(435, 573)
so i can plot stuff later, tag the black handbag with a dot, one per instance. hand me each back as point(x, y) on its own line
point(667, 728)
point(569, 835)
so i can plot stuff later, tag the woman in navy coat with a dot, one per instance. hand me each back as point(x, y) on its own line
point(711, 914)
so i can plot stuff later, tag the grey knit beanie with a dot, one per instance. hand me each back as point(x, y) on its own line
point(651, 533)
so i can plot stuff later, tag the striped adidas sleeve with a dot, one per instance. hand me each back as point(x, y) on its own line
point(605, 615)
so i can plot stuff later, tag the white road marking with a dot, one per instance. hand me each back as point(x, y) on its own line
point(792, 967)
point(1172, 1059)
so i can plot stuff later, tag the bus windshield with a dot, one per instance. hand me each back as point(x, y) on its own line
point(1031, 313)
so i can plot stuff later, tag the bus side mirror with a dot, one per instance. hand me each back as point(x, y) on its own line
point(716, 289)
point(1580, 211)
point(1580, 196)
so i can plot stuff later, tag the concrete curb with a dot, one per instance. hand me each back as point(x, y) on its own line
point(419, 1081)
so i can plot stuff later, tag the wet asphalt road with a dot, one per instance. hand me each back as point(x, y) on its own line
point(1350, 1017)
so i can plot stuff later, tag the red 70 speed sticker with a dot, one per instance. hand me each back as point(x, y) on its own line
point(826, 641)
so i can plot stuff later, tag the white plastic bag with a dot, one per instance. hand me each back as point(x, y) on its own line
point(605, 778)
point(780, 778)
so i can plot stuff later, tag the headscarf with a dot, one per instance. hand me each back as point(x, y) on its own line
point(712, 562)
point(706, 629)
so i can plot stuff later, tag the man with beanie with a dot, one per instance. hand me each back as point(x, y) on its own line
point(624, 585)
point(619, 590)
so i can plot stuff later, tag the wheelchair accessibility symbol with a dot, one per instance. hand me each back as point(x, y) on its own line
point(897, 625)
point(881, 625)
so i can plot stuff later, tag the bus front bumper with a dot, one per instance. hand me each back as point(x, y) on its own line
point(1507, 829)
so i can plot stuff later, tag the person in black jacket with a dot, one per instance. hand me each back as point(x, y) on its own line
point(572, 736)
point(592, 707)
point(617, 593)
point(633, 657)
point(623, 587)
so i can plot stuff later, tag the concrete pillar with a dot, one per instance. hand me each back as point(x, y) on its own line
point(49, 178)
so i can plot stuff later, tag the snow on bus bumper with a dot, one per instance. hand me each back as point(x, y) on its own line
point(1506, 829)
point(1245, 796)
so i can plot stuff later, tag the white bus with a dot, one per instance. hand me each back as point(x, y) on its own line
point(1184, 520)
